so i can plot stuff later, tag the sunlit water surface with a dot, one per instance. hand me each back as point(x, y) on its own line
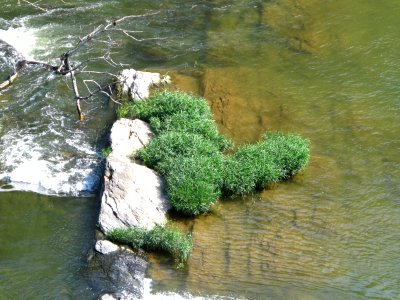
point(328, 70)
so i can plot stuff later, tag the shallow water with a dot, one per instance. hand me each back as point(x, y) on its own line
point(328, 71)
point(44, 243)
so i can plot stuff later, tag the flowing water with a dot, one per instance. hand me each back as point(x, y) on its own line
point(328, 70)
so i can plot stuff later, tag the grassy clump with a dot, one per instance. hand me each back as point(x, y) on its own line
point(187, 148)
point(191, 166)
point(193, 183)
point(171, 145)
point(160, 238)
point(176, 112)
point(275, 158)
point(290, 152)
point(188, 152)
point(165, 104)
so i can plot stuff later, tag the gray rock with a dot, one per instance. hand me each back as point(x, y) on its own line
point(105, 247)
point(137, 83)
point(119, 274)
point(127, 136)
point(133, 195)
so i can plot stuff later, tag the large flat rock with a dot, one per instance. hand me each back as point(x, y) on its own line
point(133, 194)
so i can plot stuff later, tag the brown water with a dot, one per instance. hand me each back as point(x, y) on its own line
point(328, 70)
point(332, 232)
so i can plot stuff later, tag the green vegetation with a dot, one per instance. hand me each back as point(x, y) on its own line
point(194, 183)
point(277, 157)
point(188, 152)
point(160, 238)
point(191, 166)
point(106, 151)
point(176, 112)
point(171, 145)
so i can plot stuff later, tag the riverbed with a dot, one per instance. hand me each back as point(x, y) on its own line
point(326, 70)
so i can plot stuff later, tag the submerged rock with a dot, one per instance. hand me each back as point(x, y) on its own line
point(137, 84)
point(133, 194)
point(122, 295)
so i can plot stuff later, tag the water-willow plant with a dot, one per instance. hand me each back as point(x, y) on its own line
point(188, 151)
point(167, 239)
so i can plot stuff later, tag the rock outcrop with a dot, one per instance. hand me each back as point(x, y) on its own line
point(133, 194)
point(137, 84)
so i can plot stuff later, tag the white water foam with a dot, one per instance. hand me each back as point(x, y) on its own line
point(148, 295)
point(21, 38)
point(29, 166)
point(43, 155)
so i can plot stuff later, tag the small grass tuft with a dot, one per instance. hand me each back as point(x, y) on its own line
point(106, 151)
point(160, 238)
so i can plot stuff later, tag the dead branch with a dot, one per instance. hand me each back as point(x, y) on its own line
point(20, 66)
point(72, 69)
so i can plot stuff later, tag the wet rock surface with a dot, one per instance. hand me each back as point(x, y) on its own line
point(118, 274)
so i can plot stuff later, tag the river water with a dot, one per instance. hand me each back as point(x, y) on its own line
point(328, 70)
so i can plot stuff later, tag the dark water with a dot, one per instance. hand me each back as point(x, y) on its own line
point(328, 70)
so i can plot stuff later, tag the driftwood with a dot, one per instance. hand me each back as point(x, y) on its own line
point(20, 66)
point(71, 69)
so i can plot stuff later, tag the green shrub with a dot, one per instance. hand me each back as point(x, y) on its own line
point(187, 151)
point(247, 170)
point(166, 103)
point(194, 183)
point(171, 241)
point(178, 112)
point(169, 145)
point(190, 123)
point(134, 237)
point(277, 157)
point(160, 238)
point(290, 152)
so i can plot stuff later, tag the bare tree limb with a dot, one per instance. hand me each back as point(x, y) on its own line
point(72, 69)
point(20, 66)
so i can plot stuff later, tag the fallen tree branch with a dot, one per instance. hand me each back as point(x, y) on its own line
point(72, 69)
point(20, 66)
